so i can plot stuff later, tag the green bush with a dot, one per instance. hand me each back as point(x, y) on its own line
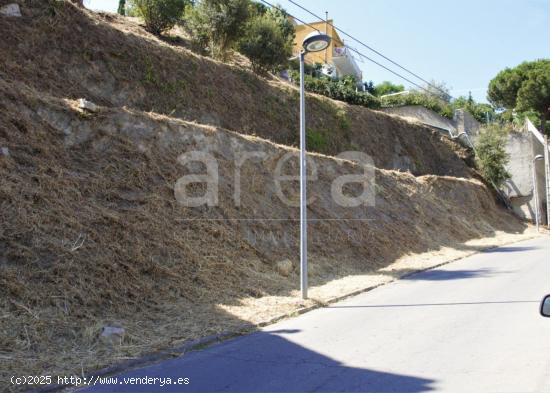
point(491, 156)
point(265, 44)
point(316, 140)
point(216, 25)
point(159, 15)
point(344, 89)
point(387, 87)
point(415, 98)
point(481, 112)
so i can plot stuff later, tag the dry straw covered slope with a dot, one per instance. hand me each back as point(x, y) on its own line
point(91, 234)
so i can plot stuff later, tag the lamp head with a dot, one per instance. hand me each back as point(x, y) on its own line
point(316, 42)
point(538, 157)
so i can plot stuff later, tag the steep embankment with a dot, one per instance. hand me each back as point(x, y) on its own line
point(91, 232)
point(72, 53)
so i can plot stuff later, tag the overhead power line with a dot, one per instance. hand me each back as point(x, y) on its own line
point(369, 48)
point(352, 49)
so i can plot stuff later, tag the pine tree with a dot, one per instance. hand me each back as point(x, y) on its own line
point(122, 7)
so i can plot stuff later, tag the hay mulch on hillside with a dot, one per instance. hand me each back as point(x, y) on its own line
point(92, 236)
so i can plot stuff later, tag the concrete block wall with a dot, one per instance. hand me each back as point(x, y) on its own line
point(522, 148)
point(465, 122)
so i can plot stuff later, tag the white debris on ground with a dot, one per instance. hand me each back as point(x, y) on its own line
point(87, 105)
point(11, 10)
point(112, 334)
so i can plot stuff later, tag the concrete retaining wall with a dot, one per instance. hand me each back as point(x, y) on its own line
point(423, 115)
point(522, 148)
point(462, 120)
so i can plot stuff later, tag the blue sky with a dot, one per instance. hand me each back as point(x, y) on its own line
point(461, 43)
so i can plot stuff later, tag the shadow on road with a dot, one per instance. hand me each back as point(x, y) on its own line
point(443, 275)
point(439, 304)
point(267, 362)
point(510, 249)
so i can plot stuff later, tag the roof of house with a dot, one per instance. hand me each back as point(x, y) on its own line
point(321, 26)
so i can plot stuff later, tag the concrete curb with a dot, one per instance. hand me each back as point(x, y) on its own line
point(207, 341)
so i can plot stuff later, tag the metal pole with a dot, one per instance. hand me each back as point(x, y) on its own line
point(547, 173)
point(536, 193)
point(303, 174)
point(326, 32)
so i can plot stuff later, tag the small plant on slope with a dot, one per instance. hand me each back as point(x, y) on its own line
point(491, 156)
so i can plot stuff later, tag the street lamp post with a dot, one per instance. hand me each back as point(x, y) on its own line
point(313, 42)
point(535, 189)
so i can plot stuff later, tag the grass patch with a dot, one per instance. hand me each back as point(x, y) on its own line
point(316, 140)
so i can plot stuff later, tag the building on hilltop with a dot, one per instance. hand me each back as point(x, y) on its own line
point(337, 59)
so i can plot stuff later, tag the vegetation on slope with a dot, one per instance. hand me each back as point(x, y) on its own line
point(114, 62)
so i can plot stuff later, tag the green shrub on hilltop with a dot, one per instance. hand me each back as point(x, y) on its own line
point(159, 15)
point(386, 87)
point(266, 44)
point(421, 99)
point(217, 25)
point(344, 89)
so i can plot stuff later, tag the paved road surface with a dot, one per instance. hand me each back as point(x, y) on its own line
point(470, 326)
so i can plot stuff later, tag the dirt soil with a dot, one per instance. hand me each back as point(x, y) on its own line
point(91, 232)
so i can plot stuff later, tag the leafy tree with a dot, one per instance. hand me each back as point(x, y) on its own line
point(470, 101)
point(159, 15)
point(480, 111)
point(387, 87)
point(369, 87)
point(217, 25)
point(524, 88)
point(257, 8)
point(265, 43)
point(491, 156)
point(277, 13)
point(130, 9)
point(122, 7)
point(281, 17)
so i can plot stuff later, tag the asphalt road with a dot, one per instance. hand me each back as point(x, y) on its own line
point(470, 326)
